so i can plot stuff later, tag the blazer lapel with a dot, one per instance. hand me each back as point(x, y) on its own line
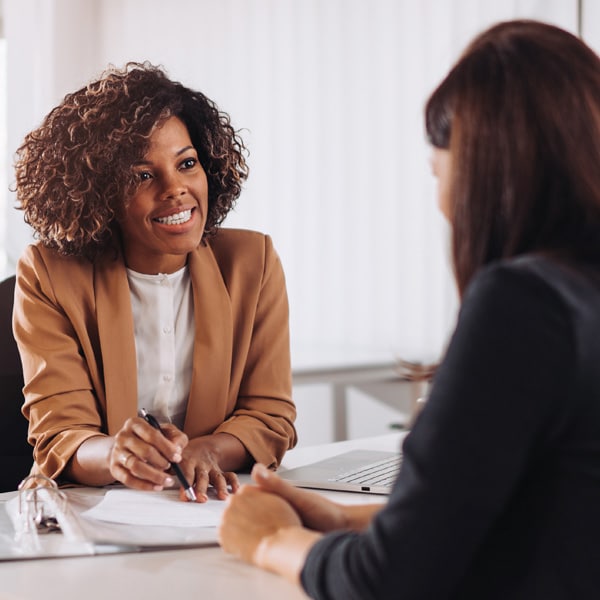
point(211, 374)
point(117, 342)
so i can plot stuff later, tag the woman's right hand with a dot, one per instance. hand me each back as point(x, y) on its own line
point(141, 455)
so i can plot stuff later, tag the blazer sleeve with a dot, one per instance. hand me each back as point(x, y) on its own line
point(263, 418)
point(55, 349)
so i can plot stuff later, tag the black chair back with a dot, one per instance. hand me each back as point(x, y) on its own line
point(16, 455)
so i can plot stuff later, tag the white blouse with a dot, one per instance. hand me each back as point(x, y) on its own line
point(163, 319)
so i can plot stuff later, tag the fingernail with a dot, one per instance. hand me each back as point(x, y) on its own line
point(169, 481)
point(176, 457)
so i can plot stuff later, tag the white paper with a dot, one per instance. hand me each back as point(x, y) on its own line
point(163, 508)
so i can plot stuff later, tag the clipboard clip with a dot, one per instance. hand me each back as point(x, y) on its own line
point(40, 505)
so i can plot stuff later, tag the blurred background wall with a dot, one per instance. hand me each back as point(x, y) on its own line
point(328, 95)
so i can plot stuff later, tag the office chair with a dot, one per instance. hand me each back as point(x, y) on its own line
point(16, 455)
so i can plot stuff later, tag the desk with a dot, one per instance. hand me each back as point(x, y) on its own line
point(181, 574)
point(374, 372)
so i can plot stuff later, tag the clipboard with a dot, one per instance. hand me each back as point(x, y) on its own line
point(36, 523)
point(44, 521)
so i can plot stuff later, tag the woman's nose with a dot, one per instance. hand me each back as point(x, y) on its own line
point(172, 186)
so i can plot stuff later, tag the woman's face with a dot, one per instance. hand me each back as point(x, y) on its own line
point(166, 215)
point(440, 165)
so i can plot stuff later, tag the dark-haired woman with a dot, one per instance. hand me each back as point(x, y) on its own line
point(498, 494)
point(134, 297)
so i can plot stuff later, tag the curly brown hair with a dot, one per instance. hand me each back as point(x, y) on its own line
point(74, 173)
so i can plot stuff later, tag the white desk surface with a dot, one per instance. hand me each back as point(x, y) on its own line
point(180, 574)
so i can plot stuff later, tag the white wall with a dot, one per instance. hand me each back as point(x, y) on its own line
point(590, 21)
point(330, 95)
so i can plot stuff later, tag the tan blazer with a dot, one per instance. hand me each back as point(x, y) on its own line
point(74, 327)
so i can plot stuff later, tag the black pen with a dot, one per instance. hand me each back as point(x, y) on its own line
point(187, 488)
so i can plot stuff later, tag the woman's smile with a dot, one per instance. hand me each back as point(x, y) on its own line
point(176, 219)
point(166, 215)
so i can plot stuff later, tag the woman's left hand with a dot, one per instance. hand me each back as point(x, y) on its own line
point(202, 460)
point(251, 516)
point(263, 529)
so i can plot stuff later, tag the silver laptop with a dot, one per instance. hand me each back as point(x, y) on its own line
point(366, 471)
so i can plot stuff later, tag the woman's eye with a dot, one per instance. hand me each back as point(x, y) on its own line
point(144, 176)
point(188, 163)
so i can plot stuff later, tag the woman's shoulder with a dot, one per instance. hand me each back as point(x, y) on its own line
point(233, 238)
point(36, 256)
point(43, 264)
point(238, 254)
point(534, 270)
point(240, 245)
point(536, 283)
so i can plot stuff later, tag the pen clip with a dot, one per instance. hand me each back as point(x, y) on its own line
point(149, 418)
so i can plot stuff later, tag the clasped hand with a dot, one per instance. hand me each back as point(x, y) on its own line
point(141, 458)
point(273, 524)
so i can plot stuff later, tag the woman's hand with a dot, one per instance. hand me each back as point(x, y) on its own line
point(252, 515)
point(141, 455)
point(316, 512)
point(263, 529)
point(274, 525)
point(203, 463)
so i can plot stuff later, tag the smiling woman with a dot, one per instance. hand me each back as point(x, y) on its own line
point(165, 216)
point(125, 184)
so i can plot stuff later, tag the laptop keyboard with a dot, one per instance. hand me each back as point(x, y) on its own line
point(382, 472)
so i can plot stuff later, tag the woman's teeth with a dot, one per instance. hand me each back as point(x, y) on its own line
point(177, 218)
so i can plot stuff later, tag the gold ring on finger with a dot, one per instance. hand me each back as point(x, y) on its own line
point(125, 459)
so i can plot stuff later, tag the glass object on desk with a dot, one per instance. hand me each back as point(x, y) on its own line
point(35, 504)
point(38, 501)
point(420, 374)
point(42, 508)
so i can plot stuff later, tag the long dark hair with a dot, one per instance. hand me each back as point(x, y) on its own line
point(520, 114)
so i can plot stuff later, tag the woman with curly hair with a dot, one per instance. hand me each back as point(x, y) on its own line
point(134, 297)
